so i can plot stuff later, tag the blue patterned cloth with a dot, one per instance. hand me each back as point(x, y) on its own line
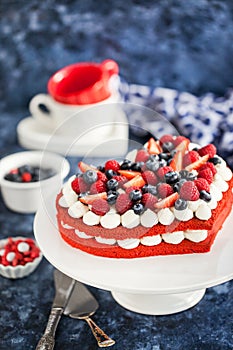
point(205, 119)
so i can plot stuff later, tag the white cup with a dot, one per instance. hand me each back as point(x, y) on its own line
point(74, 119)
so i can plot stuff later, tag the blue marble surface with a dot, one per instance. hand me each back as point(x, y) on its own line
point(185, 45)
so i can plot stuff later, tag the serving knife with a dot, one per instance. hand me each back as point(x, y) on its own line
point(64, 286)
point(81, 305)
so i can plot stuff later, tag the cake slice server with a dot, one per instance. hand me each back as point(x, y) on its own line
point(63, 286)
point(81, 305)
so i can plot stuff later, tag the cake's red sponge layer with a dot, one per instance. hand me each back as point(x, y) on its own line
point(213, 225)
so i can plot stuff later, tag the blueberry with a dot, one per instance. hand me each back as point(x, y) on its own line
point(112, 197)
point(90, 176)
point(110, 173)
point(190, 177)
point(171, 177)
point(25, 169)
point(101, 168)
point(165, 156)
point(181, 204)
point(152, 165)
point(83, 194)
point(215, 160)
point(154, 157)
point(137, 166)
point(126, 164)
point(13, 177)
point(150, 189)
point(112, 184)
point(177, 185)
point(138, 208)
point(162, 163)
point(168, 146)
point(206, 196)
point(135, 195)
point(183, 173)
point(195, 149)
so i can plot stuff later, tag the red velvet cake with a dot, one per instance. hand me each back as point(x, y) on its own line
point(169, 197)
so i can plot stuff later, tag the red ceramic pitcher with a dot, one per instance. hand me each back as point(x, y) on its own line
point(82, 83)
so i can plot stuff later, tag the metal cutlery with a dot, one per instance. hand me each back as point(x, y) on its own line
point(81, 305)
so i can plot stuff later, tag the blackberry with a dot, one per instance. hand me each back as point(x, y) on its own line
point(181, 204)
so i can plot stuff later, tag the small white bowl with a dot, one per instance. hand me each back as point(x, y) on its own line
point(18, 271)
point(26, 197)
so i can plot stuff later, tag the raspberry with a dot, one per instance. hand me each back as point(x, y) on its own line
point(112, 164)
point(189, 191)
point(166, 138)
point(79, 185)
point(98, 187)
point(142, 156)
point(210, 149)
point(101, 176)
point(178, 140)
point(165, 190)
point(148, 200)
point(26, 177)
point(150, 177)
point(210, 166)
point(206, 174)
point(190, 157)
point(121, 180)
point(123, 203)
point(100, 207)
point(202, 184)
point(164, 170)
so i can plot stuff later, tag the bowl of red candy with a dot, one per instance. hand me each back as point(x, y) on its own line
point(19, 257)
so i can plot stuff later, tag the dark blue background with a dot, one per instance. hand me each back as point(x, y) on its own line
point(186, 45)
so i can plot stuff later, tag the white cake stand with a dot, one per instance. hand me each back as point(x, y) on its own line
point(155, 285)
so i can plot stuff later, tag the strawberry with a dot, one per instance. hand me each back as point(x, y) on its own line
point(167, 202)
point(137, 181)
point(100, 207)
point(142, 156)
point(153, 146)
point(129, 174)
point(84, 167)
point(98, 187)
point(112, 164)
point(123, 203)
point(206, 174)
point(164, 170)
point(101, 176)
point(165, 190)
point(180, 139)
point(190, 157)
point(89, 199)
point(209, 149)
point(150, 177)
point(189, 191)
point(79, 185)
point(177, 161)
point(202, 184)
point(196, 165)
point(149, 201)
point(166, 138)
point(210, 166)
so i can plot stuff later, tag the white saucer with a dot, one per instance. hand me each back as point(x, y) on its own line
point(154, 285)
point(32, 135)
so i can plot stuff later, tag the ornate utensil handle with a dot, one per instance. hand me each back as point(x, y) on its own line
point(47, 340)
point(102, 339)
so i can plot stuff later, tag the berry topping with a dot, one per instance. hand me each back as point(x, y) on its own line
point(167, 202)
point(190, 157)
point(98, 187)
point(123, 203)
point(172, 177)
point(112, 184)
point(100, 207)
point(162, 171)
point(79, 185)
point(112, 164)
point(206, 174)
point(202, 184)
point(142, 156)
point(164, 190)
point(89, 198)
point(150, 177)
point(112, 197)
point(166, 138)
point(205, 196)
point(196, 165)
point(149, 200)
point(189, 191)
point(137, 181)
point(153, 146)
point(90, 176)
point(181, 204)
point(138, 208)
point(209, 149)
point(135, 195)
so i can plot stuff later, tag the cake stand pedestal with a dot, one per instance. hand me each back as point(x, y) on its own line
point(154, 285)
